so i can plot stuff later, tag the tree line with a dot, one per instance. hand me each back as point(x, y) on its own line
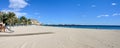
point(10, 18)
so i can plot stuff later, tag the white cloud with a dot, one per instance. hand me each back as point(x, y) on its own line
point(78, 4)
point(114, 4)
point(98, 16)
point(17, 4)
point(36, 13)
point(5, 10)
point(116, 14)
point(18, 14)
point(93, 5)
point(106, 15)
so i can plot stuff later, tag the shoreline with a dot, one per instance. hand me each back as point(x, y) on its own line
point(82, 28)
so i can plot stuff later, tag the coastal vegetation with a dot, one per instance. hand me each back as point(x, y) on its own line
point(10, 18)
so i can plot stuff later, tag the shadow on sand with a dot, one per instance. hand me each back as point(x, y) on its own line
point(26, 34)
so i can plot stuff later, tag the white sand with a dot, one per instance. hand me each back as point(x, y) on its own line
point(53, 37)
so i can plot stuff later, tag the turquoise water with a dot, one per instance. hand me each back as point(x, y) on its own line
point(110, 27)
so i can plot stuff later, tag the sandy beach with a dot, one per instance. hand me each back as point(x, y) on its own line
point(54, 37)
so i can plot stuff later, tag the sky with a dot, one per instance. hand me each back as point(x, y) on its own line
point(83, 12)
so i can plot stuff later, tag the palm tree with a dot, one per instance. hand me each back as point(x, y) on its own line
point(23, 20)
point(11, 18)
point(1, 16)
point(29, 21)
point(16, 21)
point(5, 17)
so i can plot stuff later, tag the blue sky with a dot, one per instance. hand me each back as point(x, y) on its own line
point(85, 12)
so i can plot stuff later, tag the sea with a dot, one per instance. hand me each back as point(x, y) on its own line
point(108, 27)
